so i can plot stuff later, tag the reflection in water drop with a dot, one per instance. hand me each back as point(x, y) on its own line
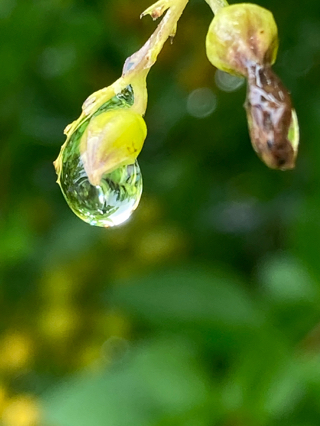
point(201, 102)
point(108, 204)
point(118, 193)
point(228, 82)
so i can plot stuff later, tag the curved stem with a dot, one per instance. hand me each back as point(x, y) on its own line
point(138, 65)
point(217, 4)
point(145, 57)
point(141, 61)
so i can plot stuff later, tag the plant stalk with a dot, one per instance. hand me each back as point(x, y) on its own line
point(217, 4)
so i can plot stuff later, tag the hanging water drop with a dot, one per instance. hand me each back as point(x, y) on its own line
point(97, 169)
point(108, 204)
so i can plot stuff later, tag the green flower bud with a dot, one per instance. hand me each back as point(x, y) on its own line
point(272, 121)
point(240, 35)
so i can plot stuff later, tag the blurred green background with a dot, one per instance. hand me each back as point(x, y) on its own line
point(203, 309)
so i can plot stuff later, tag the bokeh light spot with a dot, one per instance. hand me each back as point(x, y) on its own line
point(228, 82)
point(201, 102)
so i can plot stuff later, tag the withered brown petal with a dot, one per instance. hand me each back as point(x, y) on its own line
point(269, 113)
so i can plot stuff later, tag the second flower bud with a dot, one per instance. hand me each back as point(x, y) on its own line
point(239, 35)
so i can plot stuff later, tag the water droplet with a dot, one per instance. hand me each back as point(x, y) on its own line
point(118, 194)
point(108, 204)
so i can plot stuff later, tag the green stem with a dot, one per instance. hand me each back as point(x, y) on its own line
point(145, 57)
point(138, 65)
point(217, 4)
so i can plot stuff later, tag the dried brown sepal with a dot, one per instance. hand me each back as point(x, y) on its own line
point(270, 118)
point(157, 9)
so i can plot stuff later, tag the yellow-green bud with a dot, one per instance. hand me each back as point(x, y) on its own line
point(240, 35)
point(112, 139)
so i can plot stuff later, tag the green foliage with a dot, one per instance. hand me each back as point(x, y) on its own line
point(203, 310)
point(188, 296)
point(159, 380)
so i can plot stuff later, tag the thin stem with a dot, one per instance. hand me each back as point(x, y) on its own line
point(217, 4)
point(144, 58)
point(138, 65)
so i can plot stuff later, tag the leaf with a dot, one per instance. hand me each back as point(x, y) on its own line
point(189, 294)
point(286, 280)
point(159, 379)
